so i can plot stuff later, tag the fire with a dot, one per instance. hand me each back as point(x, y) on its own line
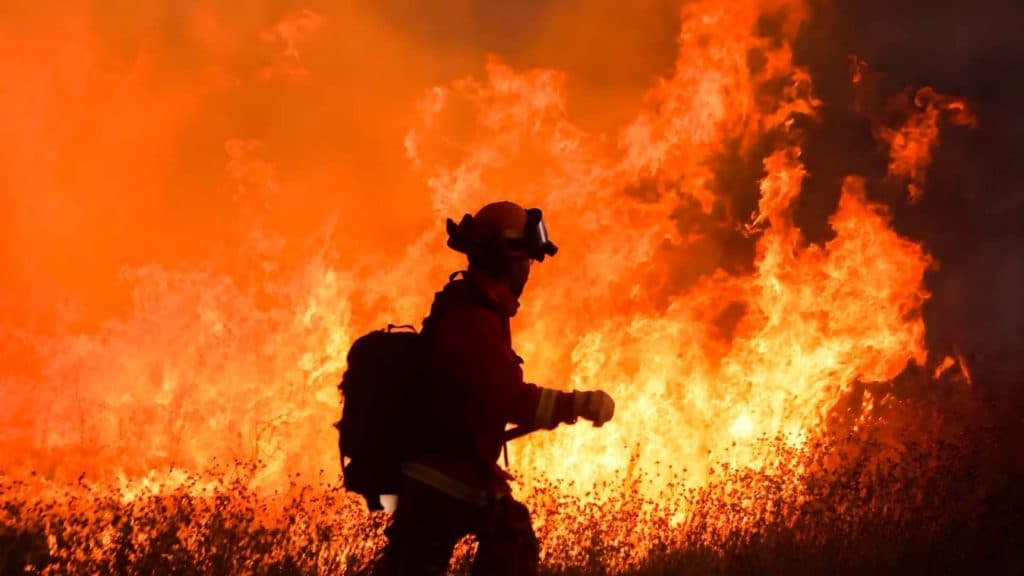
point(231, 352)
point(911, 145)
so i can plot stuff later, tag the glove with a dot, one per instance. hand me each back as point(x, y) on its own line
point(596, 406)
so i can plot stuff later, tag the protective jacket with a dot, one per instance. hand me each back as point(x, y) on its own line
point(476, 388)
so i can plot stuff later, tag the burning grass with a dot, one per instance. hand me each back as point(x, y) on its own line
point(849, 505)
point(231, 350)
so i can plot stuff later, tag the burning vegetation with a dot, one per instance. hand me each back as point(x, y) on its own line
point(779, 409)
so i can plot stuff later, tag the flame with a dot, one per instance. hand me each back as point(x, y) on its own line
point(230, 347)
point(947, 363)
point(965, 371)
point(911, 145)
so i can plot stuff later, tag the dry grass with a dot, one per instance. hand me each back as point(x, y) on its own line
point(861, 508)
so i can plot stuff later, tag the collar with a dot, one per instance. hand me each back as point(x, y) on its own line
point(496, 292)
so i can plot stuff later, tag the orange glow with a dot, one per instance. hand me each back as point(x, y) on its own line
point(197, 227)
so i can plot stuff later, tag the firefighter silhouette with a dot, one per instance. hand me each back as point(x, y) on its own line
point(452, 485)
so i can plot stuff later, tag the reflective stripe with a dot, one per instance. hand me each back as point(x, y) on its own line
point(545, 408)
point(448, 485)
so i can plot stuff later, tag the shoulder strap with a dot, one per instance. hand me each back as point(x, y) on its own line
point(442, 298)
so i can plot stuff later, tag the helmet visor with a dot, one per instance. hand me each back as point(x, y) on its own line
point(535, 237)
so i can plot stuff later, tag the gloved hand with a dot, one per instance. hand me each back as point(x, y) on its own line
point(596, 406)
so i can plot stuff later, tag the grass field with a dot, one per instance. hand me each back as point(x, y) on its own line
point(847, 506)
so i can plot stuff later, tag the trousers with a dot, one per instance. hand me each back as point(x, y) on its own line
point(427, 524)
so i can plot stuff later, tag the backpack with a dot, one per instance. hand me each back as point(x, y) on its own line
point(377, 417)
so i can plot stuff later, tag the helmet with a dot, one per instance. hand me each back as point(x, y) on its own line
point(502, 227)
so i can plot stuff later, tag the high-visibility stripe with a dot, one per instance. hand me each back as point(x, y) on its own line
point(546, 408)
point(448, 485)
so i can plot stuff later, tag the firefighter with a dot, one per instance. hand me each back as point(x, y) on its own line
point(452, 484)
